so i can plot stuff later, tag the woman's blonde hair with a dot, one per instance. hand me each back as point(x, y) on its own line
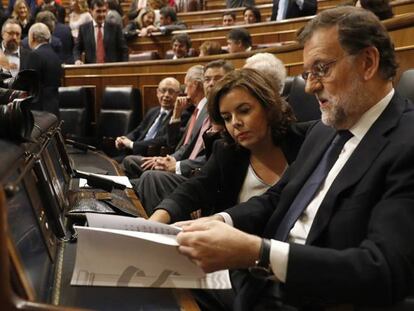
point(17, 4)
point(140, 18)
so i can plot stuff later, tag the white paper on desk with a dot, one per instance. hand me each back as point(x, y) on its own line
point(123, 180)
point(109, 257)
point(129, 223)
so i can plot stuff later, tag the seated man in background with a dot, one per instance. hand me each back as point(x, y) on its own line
point(152, 131)
point(181, 45)
point(194, 96)
point(239, 40)
point(101, 42)
point(170, 171)
point(229, 18)
point(168, 22)
point(335, 232)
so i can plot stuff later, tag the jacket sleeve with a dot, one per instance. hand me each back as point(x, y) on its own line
point(196, 193)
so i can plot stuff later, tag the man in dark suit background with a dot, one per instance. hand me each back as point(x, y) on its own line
point(283, 9)
point(48, 66)
point(15, 56)
point(170, 171)
point(101, 42)
point(152, 131)
point(337, 228)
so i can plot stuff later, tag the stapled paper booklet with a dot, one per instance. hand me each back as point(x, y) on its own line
point(134, 252)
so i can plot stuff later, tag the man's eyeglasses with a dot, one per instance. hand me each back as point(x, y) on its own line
point(170, 91)
point(318, 71)
point(13, 33)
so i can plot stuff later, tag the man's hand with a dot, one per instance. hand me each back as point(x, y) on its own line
point(150, 29)
point(214, 245)
point(167, 163)
point(148, 163)
point(78, 62)
point(122, 142)
point(181, 103)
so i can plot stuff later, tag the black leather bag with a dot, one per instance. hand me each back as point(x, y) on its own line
point(99, 202)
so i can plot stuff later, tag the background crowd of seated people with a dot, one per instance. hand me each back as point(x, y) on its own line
point(260, 142)
point(153, 130)
point(170, 171)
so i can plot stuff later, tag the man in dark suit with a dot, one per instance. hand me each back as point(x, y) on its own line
point(337, 229)
point(15, 57)
point(283, 9)
point(101, 42)
point(152, 131)
point(48, 66)
point(170, 171)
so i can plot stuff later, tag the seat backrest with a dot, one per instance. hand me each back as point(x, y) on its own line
point(305, 106)
point(406, 84)
point(287, 86)
point(73, 108)
point(120, 111)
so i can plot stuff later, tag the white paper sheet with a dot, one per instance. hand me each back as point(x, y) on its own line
point(112, 257)
point(123, 180)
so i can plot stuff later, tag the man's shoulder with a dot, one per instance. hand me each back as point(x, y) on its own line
point(86, 26)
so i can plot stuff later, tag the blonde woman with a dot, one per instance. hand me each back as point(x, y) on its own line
point(79, 16)
point(21, 13)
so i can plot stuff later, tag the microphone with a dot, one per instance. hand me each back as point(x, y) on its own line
point(80, 146)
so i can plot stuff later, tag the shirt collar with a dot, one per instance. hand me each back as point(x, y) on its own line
point(370, 116)
point(95, 24)
point(201, 104)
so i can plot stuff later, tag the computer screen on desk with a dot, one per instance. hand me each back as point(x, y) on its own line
point(33, 245)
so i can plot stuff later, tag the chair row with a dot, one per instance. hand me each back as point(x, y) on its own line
point(119, 113)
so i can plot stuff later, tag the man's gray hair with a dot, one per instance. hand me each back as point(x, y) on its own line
point(270, 65)
point(10, 21)
point(40, 33)
point(195, 73)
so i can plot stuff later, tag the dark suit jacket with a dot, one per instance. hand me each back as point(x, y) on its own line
point(219, 182)
point(24, 53)
point(359, 249)
point(183, 151)
point(49, 69)
point(63, 32)
point(309, 8)
point(138, 134)
point(116, 49)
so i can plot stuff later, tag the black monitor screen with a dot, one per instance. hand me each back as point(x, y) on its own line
point(29, 242)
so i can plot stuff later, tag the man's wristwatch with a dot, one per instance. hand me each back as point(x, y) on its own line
point(261, 268)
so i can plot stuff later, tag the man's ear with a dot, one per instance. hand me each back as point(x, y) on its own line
point(370, 58)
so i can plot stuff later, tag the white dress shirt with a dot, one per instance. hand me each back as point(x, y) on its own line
point(200, 107)
point(13, 59)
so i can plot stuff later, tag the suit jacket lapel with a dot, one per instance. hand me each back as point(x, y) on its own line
point(310, 156)
point(91, 30)
point(355, 168)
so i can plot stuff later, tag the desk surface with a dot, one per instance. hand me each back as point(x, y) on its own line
point(111, 298)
